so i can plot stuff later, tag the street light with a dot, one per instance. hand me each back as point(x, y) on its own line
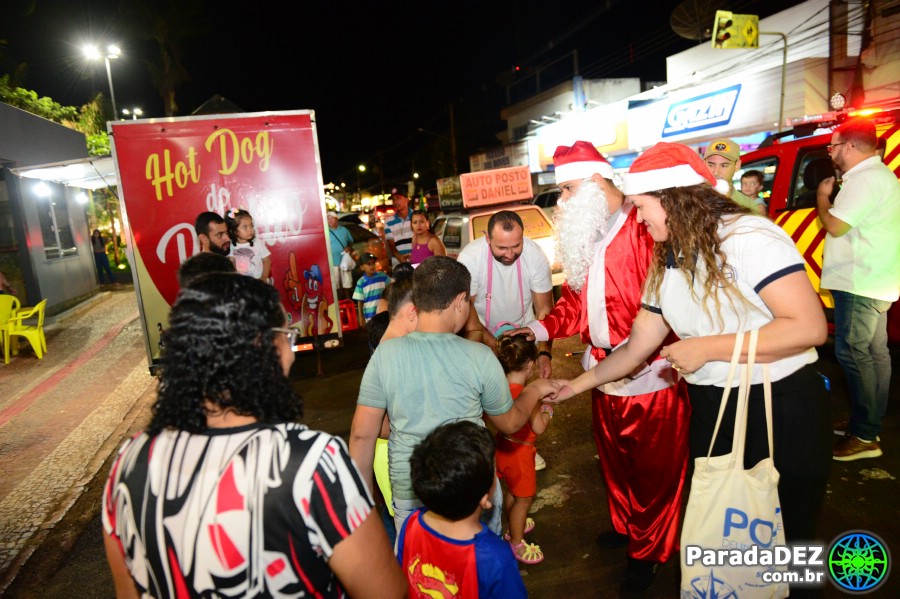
point(784, 49)
point(134, 112)
point(112, 51)
point(360, 169)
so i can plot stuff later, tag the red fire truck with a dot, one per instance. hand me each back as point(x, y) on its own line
point(792, 170)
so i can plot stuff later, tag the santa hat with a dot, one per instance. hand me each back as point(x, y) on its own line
point(579, 162)
point(668, 165)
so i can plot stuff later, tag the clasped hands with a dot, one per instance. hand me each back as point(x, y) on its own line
point(552, 390)
point(561, 389)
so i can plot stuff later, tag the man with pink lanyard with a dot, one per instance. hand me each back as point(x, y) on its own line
point(511, 285)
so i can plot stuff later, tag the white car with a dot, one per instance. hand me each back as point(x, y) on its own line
point(457, 229)
point(546, 200)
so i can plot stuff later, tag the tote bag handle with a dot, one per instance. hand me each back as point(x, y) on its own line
point(740, 425)
point(732, 367)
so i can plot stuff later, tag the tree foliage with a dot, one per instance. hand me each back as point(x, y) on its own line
point(88, 119)
point(29, 101)
point(166, 23)
point(91, 122)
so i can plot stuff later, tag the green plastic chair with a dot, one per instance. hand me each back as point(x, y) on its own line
point(8, 306)
point(15, 327)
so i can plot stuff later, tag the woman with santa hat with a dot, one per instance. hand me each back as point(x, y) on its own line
point(719, 270)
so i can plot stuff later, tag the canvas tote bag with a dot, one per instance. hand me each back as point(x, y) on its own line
point(733, 508)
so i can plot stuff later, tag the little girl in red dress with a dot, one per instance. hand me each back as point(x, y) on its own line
point(515, 453)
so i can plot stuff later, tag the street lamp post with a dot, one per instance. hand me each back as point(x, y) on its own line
point(112, 51)
point(360, 169)
point(784, 49)
point(134, 112)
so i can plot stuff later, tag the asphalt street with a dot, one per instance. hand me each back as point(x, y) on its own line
point(62, 418)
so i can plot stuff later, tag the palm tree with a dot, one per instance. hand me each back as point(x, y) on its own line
point(167, 23)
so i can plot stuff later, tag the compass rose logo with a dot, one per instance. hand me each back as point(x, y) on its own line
point(859, 562)
point(710, 587)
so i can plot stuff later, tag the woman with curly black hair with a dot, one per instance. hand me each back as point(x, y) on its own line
point(225, 494)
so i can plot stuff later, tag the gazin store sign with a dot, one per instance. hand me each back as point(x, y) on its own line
point(702, 112)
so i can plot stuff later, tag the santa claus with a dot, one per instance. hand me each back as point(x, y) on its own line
point(641, 422)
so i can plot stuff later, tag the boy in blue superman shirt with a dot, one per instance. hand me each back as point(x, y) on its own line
point(452, 472)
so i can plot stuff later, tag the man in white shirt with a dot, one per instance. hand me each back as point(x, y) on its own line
point(511, 285)
point(511, 281)
point(861, 267)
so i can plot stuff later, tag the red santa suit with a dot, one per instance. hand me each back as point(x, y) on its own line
point(641, 423)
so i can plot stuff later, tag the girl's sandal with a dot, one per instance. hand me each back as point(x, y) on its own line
point(532, 553)
point(529, 526)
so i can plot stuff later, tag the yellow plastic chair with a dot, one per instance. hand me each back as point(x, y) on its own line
point(8, 306)
point(34, 333)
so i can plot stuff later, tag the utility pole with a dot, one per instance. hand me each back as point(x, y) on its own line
point(453, 140)
point(381, 170)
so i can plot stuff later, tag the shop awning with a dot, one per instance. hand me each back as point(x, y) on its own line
point(95, 172)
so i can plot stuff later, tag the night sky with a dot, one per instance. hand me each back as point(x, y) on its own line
point(374, 72)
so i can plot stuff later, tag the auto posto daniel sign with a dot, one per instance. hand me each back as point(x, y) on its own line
point(497, 186)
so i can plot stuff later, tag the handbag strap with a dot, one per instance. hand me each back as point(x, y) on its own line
point(767, 390)
point(732, 367)
point(739, 437)
point(743, 400)
point(333, 234)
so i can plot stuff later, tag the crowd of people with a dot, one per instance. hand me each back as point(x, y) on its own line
point(226, 493)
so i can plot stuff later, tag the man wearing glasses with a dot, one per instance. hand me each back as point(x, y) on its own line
point(861, 267)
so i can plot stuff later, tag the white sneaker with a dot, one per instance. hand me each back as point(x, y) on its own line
point(539, 462)
point(840, 429)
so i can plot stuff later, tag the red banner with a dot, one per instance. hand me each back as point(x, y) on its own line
point(268, 164)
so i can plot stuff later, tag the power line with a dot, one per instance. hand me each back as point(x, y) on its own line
point(647, 45)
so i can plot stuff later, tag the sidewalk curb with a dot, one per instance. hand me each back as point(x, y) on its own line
point(81, 502)
point(53, 322)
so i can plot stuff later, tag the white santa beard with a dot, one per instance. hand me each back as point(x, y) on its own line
point(580, 221)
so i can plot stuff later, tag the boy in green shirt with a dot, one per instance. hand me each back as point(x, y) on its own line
point(432, 376)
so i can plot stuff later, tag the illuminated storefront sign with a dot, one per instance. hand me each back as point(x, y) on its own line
point(702, 112)
point(604, 127)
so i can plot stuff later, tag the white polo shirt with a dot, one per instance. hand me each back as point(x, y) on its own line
point(759, 252)
point(506, 301)
point(866, 259)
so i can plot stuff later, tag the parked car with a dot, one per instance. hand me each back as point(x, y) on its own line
point(457, 229)
point(546, 201)
point(349, 217)
point(380, 213)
